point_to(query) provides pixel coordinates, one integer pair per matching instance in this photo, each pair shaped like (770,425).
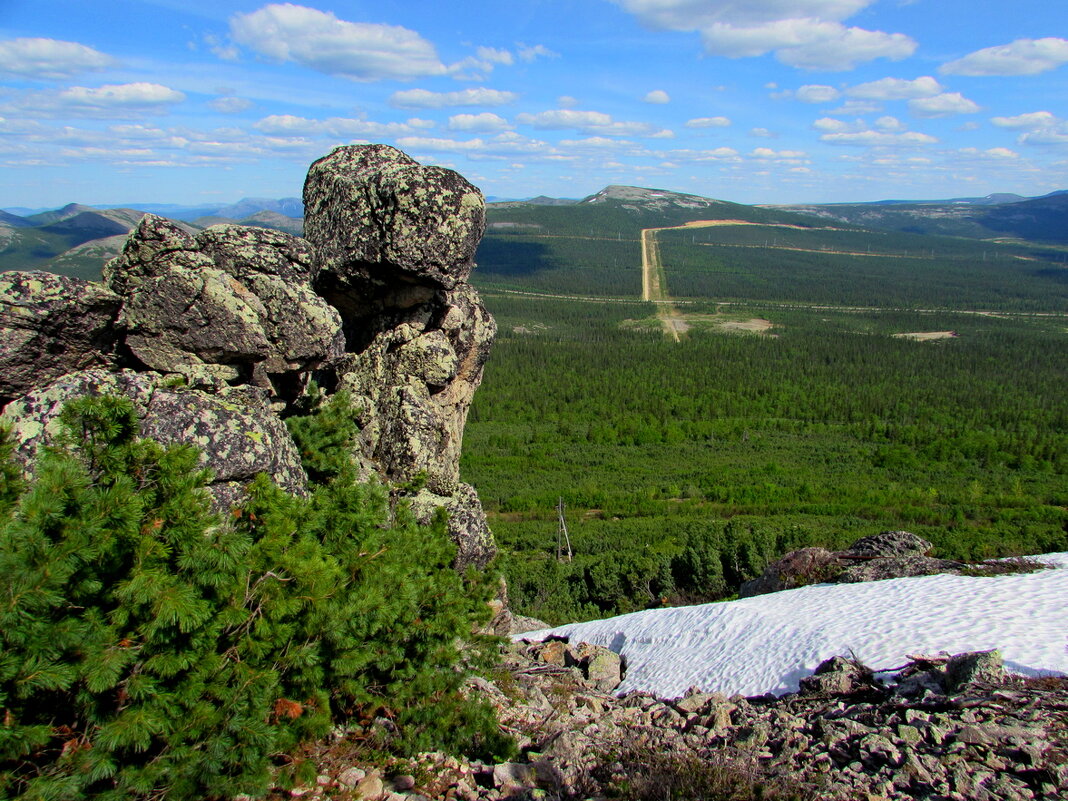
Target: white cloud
(318,40)
(856,107)
(486,122)
(762,133)
(708,122)
(728,154)
(592,122)
(657,96)
(802,33)
(50,59)
(892,124)
(495,56)
(110,100)
(1021,57)
(1035,121)
(817,93)
(879,139)
(289,125)
(767,154)
(230,105)
(943,105)
(896,89)
(530,53)
(831,125)
(807,43)
(423,98)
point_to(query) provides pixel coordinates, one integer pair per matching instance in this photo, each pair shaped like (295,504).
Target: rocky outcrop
(216,336)
(889,554)
(237,433)
(857,735)
(51,325)
(233,305)
(394,243)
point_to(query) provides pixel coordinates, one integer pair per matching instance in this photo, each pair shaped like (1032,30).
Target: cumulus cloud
(708,122)
(817,93)
(1021,57)
(424,98)
(49,59)
(879,138)
(532,52)
(1034,121)
(592,122)
(896,89)
(944,105)
(890,124)
(320,41)
(762,133)
(229,104)
(657,96)
(807,34)
(767,154)
(110,100)
(290,125)
(1037,127)
(486,122)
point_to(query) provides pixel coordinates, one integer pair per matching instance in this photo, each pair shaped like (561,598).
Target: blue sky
(755,101)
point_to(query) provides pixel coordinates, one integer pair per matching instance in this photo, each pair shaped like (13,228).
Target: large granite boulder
(379,220)
(51,325)
(236,431)
(886,555)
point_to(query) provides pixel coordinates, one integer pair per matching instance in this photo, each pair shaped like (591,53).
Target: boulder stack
(217,337)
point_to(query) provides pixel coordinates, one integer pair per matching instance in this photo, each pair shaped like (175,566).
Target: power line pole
(561,533)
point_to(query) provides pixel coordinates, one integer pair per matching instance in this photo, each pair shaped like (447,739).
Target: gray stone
(51,325)
(234,428)
(372,210)
(796,569)
(890,543)
(978,667)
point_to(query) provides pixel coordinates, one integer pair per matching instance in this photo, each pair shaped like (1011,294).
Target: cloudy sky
(755,101)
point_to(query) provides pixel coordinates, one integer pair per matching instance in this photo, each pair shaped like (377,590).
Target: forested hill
(1041,219)
(623,211)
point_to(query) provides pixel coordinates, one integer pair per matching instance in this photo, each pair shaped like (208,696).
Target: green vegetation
(686,466)
(149,649)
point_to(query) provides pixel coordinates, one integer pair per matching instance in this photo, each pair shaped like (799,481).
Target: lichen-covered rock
(976,667)
(374,214)
(796,569)
(233,304)
(467,524)
(236,431)
(836,676)
(889,544)
(896,567)
(302,329)
(51,325)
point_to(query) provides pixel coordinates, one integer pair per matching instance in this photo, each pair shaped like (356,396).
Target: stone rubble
(940,728)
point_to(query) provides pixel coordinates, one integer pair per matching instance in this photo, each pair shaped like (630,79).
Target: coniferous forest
(685,467)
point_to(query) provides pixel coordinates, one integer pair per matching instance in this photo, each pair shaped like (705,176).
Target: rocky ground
(939,728)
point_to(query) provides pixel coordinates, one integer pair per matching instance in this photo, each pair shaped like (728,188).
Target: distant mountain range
(77,239)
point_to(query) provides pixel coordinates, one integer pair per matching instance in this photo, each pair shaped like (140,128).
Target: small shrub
(150,649)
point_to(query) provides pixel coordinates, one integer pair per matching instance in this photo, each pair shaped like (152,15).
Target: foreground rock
(237,433)
(889,554)
(216,337)
(941,728)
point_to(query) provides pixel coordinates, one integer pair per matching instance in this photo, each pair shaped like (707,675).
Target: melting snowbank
(767,643)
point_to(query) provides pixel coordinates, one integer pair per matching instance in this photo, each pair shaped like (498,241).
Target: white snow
(767,643)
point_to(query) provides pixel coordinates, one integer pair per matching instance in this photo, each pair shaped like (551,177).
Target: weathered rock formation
(889,554)
(217,336)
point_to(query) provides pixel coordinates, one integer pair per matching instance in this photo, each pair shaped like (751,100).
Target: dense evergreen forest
(685,467)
